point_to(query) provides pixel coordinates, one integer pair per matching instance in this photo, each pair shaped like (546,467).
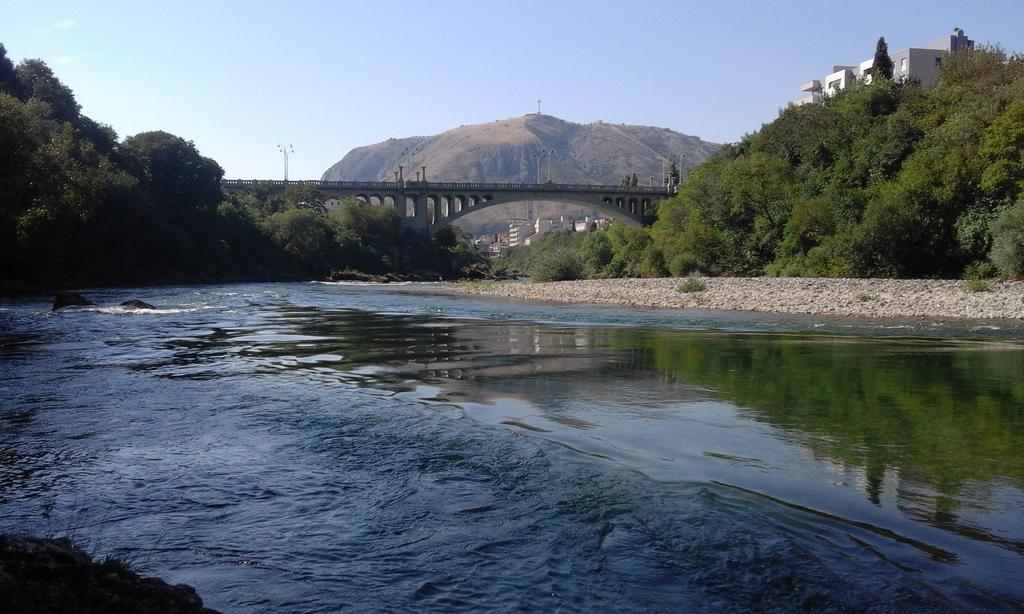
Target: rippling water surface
(310,447)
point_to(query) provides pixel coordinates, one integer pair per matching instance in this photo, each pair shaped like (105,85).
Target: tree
(1002,148)
(8,76)
(882,67)
(39,82)
(176,177)
(304,235)
(305,197)
(1008,241)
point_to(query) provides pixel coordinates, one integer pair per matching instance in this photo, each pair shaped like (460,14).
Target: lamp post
(285,150)
(540,155)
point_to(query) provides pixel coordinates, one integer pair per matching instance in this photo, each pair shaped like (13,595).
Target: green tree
(305,197)
(1008,241)
(304,236)
(175,176)
(38,82)
(595,253)
(882,67)
(9,83)
(1002,148)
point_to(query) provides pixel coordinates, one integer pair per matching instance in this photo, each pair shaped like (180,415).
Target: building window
(938,61)
(903,65)
(834,85)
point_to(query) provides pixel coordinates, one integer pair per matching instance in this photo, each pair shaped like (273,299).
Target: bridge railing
(427,186)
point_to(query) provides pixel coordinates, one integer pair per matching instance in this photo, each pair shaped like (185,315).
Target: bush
(977,285)
(557,265)
(980,270)
(692,284)
(1008,241)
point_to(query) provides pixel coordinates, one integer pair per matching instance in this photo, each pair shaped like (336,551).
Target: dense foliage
(884,179)
(80,207)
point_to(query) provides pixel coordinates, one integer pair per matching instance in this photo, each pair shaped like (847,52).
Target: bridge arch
(603,204)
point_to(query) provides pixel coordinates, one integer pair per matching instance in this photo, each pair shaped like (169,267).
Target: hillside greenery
(80,207)
(883,179)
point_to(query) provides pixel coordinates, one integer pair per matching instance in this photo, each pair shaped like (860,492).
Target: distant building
(518,230)
(918,63)
(541,228)
(587,223)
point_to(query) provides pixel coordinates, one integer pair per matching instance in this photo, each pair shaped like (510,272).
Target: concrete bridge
(433,205)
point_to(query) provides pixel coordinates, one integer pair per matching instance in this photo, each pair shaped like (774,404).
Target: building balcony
(811,86)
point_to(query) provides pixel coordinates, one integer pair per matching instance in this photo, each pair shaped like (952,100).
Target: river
(313,447)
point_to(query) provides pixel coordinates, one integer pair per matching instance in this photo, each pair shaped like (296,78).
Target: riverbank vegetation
(80,207)
(884,179)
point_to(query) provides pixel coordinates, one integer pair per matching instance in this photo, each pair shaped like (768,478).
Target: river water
(314,447)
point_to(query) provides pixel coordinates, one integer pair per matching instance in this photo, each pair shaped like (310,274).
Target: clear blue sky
(239,77)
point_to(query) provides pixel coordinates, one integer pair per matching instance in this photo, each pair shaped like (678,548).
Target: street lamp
(539,156)
(285,150)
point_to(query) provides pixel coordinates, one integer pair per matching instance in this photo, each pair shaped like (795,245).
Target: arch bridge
(433,205)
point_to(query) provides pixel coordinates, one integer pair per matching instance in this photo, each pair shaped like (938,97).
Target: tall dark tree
(882,66)
(8,77)
(40,83)
(172,171)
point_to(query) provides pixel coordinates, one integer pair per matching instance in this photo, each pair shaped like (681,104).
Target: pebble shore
(839,297)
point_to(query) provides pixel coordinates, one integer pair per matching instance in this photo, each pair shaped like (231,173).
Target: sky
(239,78)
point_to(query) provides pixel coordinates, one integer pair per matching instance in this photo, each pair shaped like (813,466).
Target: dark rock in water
(70,299)
(52,575)
(136,304)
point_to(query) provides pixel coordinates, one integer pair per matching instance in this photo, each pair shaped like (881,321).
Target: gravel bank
(842,297)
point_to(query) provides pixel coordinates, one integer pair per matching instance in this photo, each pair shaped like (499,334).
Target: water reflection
(731,464)
(932,428)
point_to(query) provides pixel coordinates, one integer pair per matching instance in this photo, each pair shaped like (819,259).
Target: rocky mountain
(508,151)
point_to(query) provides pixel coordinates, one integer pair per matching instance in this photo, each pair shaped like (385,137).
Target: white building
(918,63)
(541,228)
(518,230)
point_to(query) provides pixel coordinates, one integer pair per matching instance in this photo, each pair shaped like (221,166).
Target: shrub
(557,265)
(977,285)
(692,284)
(1008,241)
(980,270)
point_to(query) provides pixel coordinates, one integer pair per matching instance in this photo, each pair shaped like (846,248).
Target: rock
(52,575)
(70,299)
(136,304)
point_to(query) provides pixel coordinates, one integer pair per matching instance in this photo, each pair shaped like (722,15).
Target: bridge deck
(425,186)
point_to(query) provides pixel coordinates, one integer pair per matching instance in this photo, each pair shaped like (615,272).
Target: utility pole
(285,150)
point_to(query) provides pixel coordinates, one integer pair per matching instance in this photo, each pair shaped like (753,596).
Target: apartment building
(920,63)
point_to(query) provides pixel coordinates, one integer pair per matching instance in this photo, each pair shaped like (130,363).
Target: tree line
(80,207)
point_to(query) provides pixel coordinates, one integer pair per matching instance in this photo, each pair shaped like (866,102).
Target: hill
(507,150)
